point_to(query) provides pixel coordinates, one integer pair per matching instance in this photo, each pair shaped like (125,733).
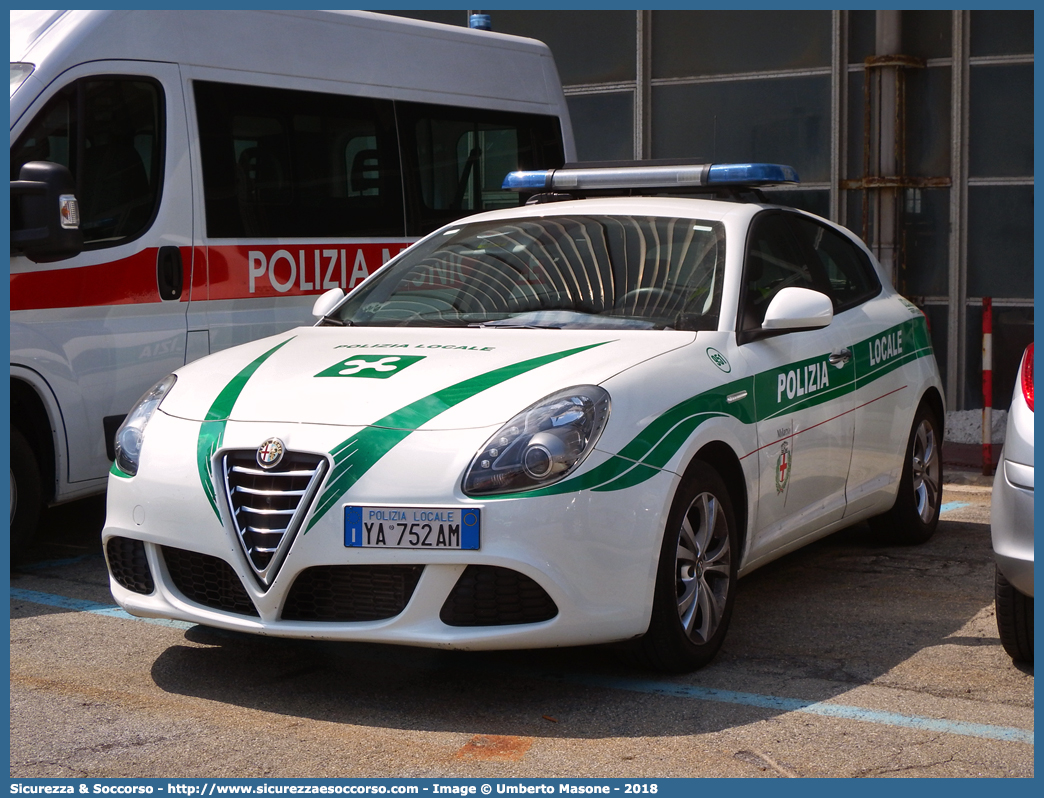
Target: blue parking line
(981,730)
(93,607)
(775,703)
(945,508)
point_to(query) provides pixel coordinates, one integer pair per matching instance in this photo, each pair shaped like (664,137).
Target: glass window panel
(973,357)
(850,278)
(1012,332)
(927,122)
(691,43)
(783,120)
(927,34)
(1000,241)
(588,46)
(457,158)
(1001,33)
(854,213)
(773,261)
(1000,136)
(939,330)
(114,148)
(603,125)
(281,163)
(925,269)
(815,201)
(928,94)
(596,272)
(862,32)
(856,124)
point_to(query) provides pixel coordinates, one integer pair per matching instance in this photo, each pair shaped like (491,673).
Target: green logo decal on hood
(212,429)
(376,367)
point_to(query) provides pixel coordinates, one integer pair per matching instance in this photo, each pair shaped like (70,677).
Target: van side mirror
(45,215)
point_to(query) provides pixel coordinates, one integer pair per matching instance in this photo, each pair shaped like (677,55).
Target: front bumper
(550,571)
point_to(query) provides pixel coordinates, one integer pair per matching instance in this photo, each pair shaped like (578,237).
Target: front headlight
(131,432)
(542,444)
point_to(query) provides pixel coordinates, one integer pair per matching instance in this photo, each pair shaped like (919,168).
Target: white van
(228,166)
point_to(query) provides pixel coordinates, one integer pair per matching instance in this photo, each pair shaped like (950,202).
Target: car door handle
(838,359)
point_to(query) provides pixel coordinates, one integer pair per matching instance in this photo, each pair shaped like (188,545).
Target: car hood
(438,379)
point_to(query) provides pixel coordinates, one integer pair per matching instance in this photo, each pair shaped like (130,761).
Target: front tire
(915,514)
(1014,620)
(26,493)
(696,576)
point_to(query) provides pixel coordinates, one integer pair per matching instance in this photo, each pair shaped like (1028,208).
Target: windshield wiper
(508,325)
(330,321)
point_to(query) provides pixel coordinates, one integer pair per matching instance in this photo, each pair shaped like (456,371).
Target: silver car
(1011,520)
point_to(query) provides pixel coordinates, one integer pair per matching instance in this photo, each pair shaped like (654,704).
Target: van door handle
(169,273)
(839,359)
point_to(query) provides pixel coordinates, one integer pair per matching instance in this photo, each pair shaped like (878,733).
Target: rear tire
(1014,620)
(915,514)
(26,493)
(696,576)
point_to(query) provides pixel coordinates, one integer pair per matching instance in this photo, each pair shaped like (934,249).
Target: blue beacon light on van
(575,177)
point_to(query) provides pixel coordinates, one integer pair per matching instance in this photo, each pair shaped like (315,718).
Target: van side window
(458,158)
(109,133)
(291,164)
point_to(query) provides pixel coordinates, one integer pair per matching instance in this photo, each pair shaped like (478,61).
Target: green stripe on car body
(212,428)
(814,382)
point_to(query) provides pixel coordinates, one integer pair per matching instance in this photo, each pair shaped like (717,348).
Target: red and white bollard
(987,386)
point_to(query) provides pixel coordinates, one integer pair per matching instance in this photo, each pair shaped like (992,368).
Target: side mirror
(327,302)
(45,215)
(796,308)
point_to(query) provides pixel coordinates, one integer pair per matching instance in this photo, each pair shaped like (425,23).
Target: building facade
(912,128)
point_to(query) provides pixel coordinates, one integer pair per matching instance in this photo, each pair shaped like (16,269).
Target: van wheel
(915,514)
(26,493)
(696,576)
(1014,620)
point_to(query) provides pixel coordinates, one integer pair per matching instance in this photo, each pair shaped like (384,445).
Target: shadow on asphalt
(813,625)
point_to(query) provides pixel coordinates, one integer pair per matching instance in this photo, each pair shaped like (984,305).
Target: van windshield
(578,271)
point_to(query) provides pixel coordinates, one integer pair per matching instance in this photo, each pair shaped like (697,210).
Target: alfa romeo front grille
(269,504)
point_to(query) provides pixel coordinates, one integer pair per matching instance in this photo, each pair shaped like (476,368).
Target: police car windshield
(600,272)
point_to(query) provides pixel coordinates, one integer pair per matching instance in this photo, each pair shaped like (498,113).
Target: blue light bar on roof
(751,174)
(659,176)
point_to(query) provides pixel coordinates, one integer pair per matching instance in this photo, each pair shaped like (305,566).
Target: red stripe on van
(127,281)
(221,272)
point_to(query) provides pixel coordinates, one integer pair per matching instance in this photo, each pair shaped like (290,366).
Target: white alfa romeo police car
(579,421)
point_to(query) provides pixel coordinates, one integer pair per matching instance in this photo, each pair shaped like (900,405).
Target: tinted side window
(289,164)
(109,133)
(774,261)
(457,158)
(850,277)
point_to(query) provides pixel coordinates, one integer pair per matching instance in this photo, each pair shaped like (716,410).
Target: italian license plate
(411,527)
